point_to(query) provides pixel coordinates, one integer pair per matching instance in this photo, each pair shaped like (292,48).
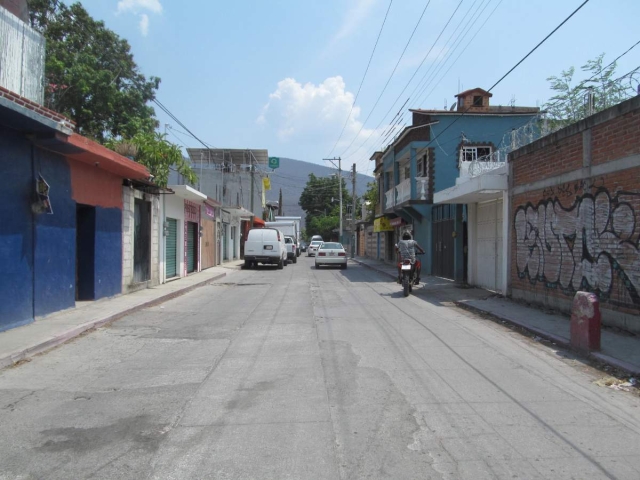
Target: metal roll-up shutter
(191,246)
(171,253)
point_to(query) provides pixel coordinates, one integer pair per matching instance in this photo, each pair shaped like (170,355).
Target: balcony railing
(481,165)
(404,190)
(390,199)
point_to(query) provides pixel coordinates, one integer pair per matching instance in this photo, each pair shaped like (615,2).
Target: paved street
(311,374)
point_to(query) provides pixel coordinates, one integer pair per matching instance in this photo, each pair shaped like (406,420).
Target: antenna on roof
(445,103)
(513,100)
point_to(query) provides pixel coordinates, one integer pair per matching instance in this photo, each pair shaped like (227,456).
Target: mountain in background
(292,177)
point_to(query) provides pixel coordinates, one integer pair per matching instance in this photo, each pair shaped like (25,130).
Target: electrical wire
(390,77)
(168,112)
(457,41)
(463,113)
(362,81)
(581,84)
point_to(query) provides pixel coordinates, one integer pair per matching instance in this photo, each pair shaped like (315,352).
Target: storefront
(209,235)
(181,230)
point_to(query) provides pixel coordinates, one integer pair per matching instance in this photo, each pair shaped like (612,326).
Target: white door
(489,245)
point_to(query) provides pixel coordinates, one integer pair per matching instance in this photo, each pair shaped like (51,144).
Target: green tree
(319,200)
(570,105)
(371,198)
(157,154)
(91,76)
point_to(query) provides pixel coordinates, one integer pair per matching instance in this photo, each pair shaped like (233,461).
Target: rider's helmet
(406,236)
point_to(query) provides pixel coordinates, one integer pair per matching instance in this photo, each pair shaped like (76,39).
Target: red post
(585,322)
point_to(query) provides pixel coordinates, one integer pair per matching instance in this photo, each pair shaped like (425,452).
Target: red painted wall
(92,186)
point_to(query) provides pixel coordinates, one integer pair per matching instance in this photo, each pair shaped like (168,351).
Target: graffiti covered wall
(589,242)
(578,228)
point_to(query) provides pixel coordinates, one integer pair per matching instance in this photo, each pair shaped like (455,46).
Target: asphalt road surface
(311,374)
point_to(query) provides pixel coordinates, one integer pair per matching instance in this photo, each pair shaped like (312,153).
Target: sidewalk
(45,333)
(617,349)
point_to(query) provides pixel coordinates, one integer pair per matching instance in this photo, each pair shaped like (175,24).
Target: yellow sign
(266,183)
(382,225)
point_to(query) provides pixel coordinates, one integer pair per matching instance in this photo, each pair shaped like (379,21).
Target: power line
(166,110)
(581,84)
(362,81)
(458,41)
(505,75)
(449,53)
(390,77)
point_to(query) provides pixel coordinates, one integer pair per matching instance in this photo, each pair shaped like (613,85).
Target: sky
(283,75)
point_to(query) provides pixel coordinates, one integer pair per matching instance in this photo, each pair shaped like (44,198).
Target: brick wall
(575,212)
(36,107)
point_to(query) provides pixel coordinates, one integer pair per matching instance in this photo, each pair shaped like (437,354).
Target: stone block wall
(575,213)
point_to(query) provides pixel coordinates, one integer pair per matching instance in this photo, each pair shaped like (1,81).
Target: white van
(265,246)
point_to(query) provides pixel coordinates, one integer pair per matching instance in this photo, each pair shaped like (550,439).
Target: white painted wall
(488,259)
(174,208)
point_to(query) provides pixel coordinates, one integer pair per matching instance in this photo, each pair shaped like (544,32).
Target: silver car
(331,253)
(313,248)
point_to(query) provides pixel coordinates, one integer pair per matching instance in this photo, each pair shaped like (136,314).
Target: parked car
(265,246)
(303,246)
(290,244)
(317,238)
(331,253)
(313,247)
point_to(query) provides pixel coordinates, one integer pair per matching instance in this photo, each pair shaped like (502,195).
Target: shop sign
(397,222)
(209,211)
(382,225)
(191,211)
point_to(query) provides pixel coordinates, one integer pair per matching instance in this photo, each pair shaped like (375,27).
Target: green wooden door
(171,253)
(191,246)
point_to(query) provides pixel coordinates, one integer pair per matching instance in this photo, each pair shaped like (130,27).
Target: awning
(239,211)
(188,193)
(477,189)
(258,222)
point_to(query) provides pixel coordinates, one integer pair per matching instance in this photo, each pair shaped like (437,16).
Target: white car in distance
(313,248)
(331,253)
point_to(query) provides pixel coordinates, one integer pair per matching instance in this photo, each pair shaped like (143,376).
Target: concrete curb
(563,342)
(63,337)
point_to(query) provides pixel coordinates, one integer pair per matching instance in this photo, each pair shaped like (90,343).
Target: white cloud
(144,24)
(138,5)
(313,115)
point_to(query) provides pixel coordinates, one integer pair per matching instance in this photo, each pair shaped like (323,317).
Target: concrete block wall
(575,213)
(129,196)
(128,201)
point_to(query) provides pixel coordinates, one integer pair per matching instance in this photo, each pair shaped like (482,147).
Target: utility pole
(353,212)
(339,167)
(252,181)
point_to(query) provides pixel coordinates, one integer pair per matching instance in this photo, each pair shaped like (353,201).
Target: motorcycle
(408,272)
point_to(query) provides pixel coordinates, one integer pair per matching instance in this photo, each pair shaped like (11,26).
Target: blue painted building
(426,158)
(60,213)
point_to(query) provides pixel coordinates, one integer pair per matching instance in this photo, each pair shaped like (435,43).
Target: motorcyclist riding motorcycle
(407,249)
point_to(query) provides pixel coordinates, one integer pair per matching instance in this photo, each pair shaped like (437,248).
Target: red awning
(258,222)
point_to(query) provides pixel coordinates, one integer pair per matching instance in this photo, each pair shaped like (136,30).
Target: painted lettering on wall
(592,245)
(571,189)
